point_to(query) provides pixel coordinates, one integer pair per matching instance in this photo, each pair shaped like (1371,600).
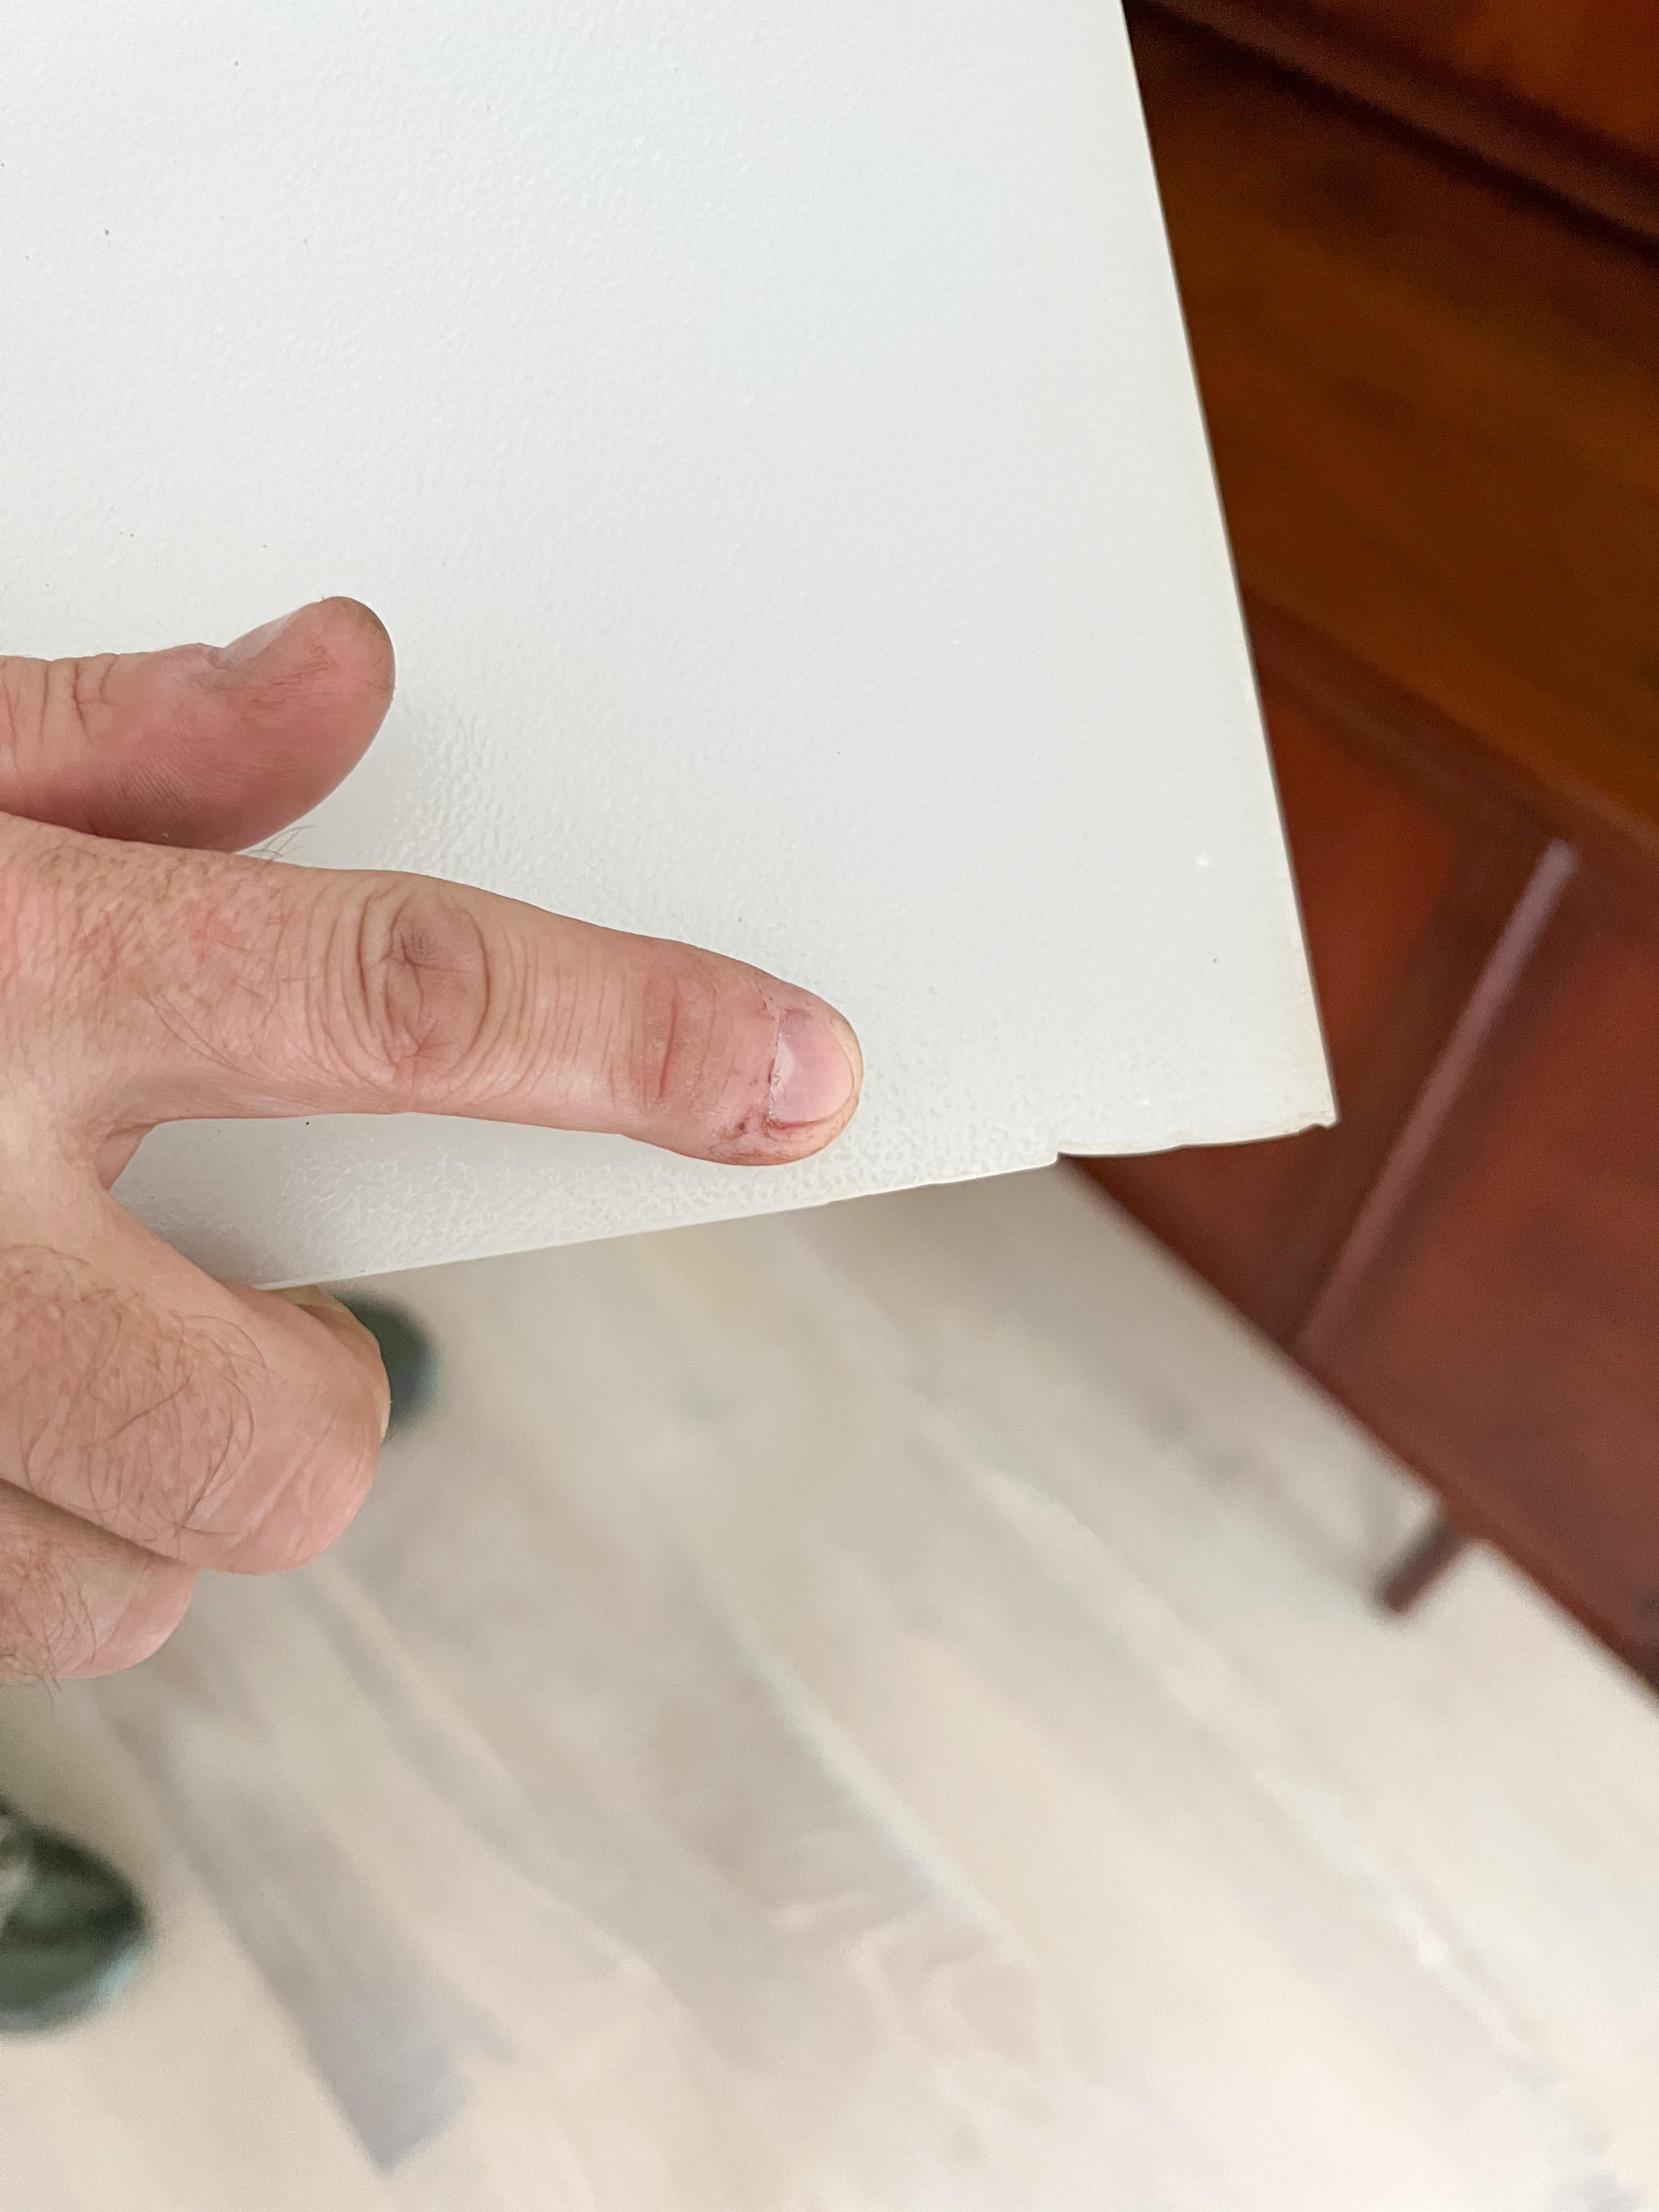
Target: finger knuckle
(264,1503)
(46,1623)
(75,1603)
(142,1423)
(419,994)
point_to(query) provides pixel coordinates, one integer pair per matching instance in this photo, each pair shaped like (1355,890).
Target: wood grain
(1409,865)
(850,1712)
(1591,64)
(1535,126)
(1504,1331)
(1435,410)
(1373,866)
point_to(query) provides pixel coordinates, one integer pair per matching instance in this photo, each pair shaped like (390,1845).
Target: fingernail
(308,1294)
(327,1306)
(241,650)
(324,1301)
(813,1074)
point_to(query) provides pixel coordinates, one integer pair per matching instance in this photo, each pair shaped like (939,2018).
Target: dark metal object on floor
(411,1357)
(71,1928)
(1442,1545)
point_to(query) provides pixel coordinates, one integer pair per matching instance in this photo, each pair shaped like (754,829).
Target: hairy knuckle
(142,1423)
(106,951)
(116,1410)
(75,1603)
(218,1491)
(46,1623)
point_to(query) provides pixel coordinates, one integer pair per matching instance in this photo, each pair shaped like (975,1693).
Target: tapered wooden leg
(1440,1546)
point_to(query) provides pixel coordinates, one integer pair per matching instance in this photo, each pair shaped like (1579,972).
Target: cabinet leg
(1440,1546)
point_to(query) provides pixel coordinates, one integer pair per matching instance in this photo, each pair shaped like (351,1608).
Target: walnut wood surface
(1434,411)
(1434,402)
(1592,64)
(1407,877)
(1546,94)
(1505,1334)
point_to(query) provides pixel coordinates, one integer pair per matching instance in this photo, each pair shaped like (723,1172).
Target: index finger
(208,986)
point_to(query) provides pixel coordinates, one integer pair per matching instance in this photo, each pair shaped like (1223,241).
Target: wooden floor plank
(854,1712)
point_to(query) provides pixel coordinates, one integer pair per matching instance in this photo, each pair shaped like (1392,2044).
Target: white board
(769,434)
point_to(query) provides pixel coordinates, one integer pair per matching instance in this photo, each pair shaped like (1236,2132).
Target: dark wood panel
(1435,410)
(1504,1335)
(1556,136)
(1407,877)
(1594,64)
(1434,401)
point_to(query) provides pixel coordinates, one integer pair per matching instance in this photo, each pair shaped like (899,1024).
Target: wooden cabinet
(1586,64)
(1563,93)
(1407,880)
(1503,1331)
(1434,399)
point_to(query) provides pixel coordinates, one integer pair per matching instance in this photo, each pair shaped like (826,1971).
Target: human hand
(154,1422)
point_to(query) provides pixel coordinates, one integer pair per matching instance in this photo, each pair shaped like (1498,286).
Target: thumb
(198,745)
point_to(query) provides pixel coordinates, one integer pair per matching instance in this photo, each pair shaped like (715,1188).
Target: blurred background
(1130,1688)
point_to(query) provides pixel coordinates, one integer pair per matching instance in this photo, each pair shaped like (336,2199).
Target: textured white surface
(769,437)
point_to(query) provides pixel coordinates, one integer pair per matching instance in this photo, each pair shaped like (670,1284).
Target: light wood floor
(871,1711)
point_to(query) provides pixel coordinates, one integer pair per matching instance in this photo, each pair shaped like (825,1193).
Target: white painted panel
(769,436)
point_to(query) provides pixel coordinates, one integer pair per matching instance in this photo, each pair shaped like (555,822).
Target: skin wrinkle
(586,1017)
(143,1411)
(57,1630)
(319,1497)
(321,1466)
(209,922)
(675,1045)
(182,1372)
(75,1627)
(229,1432)
(88,685)
(138,1608)
(34,1647)
(420,989)
(24,732)
(71,949)
(210,1034)
(31,1643)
